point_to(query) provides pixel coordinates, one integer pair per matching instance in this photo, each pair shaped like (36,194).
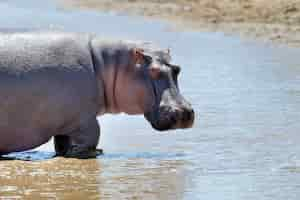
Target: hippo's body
(55,84)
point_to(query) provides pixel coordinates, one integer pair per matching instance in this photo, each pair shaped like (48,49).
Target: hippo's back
(47,85)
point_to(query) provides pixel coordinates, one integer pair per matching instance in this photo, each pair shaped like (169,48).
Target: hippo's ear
(168,51)
(138,56)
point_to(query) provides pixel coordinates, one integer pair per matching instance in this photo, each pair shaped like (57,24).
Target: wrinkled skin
(56,84)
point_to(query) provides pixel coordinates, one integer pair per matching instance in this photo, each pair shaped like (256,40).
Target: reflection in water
(50,179)
(59,178)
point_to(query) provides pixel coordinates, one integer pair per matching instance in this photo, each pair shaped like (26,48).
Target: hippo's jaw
(167,118)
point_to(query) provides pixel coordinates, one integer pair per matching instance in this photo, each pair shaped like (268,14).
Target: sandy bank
(276,20)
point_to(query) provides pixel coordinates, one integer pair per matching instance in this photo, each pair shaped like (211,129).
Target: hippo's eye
(148,59)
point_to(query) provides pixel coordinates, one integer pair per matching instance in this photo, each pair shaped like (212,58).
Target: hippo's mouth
(163,119)
(161,124)
(166,118)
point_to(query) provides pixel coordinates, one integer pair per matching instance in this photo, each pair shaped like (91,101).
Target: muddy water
(245,143)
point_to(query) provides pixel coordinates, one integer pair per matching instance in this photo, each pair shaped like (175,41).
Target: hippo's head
(166,107)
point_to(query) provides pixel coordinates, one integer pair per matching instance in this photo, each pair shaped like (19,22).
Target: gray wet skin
(56,84)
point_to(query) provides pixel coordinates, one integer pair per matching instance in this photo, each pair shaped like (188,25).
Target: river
(244,144)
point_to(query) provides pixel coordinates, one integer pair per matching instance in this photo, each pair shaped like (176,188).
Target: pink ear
(138,55)
(154,72)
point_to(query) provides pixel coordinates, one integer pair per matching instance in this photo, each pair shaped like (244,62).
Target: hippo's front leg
(81,143)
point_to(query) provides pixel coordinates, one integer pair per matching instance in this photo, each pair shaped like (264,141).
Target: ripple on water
(30,155)
(292,166)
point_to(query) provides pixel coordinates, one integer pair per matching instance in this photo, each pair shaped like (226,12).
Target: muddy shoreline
(277,21)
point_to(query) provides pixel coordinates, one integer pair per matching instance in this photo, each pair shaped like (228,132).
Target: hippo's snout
(173,118)
(187,118)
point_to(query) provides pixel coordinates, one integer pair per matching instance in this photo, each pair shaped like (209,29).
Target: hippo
(55,84)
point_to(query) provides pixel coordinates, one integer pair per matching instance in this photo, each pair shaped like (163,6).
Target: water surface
(244,145)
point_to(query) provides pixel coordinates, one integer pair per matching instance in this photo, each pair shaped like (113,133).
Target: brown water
(244,145)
